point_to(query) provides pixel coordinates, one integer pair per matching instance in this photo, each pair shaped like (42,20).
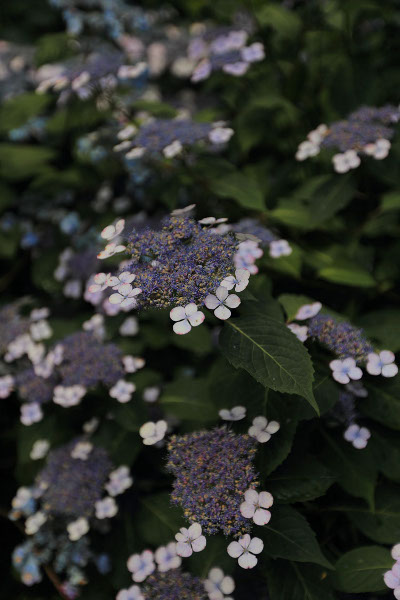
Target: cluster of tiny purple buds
(365,131)
(169,137)
(174,584)
(212,471)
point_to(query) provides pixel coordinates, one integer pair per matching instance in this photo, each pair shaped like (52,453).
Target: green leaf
(383,326)
(267,350)
(355,472)
(300,479)
(198,341)
(289,536)
(157,520)
(246,191)
(382,524)
(361,570)
(383,402)
(348,276)
(293,581)
(390,201)
(277,408)
(286,22)
(187,399)
(18,161)
(17,111)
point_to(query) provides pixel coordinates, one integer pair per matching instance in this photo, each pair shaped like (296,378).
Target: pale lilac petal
(194,531)
(261,516)
(265,499)
(256,545)
(335,365)
(199,544)
(262,436)
(228,282)
(373,368)
(360,443)
(178,313)
(211,301)
(221,293)
(115,299)
(184,549)
(260,422)
(351,433)
(196,319)
(182,327)
(245,541)
(247,510)
(390,580)
(235,549)
(390,370)
(190,309)
(272,427)
(247,561)
(232,301)
(227,585)
(355,373)
(340,377)
(349,362)
(251,496)
(222,312)
(127,302)
(386,356)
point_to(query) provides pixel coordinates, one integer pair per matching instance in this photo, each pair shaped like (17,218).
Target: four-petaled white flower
(245,549)
(106,508)
(132,593)
(306,149)
(253,53)
(167,557)
(67,396)
(39,449)
(111,231)
(222,302)
(218,584)
(255,506)
(262,430)
(102,281)
(378,150)
(173,149)
(234,414)
(382,364)
(120,480)
(125,296)
(153,432)
(212,221)
(22,498)
(141,565)
(346,161)
(307,311)
(122,391)
(300,331)
(40,330)
(110,250)
(133,363)
(239,281)
(344,370)
(31,413)
(124,277)
(76,529)
(6,385)
(185,318)
(357,435)
(34,522)
(81,450)
(220,135)
(392,579)
(279,248)
(190,540)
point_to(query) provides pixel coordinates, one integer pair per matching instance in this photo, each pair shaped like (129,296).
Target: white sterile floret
(153,432)
(35,352)
(306,149)
(81,450)
(395,552)
(96,325)
(141,565)
(185,318)
(307,311)
(151,393)
(317,135)
(73,289)
(40,330)
(18,347)
(221,302)
(22,497)
(357,435)
(31,413)
(300,331)
(34,522)
(190,540)
(346,161)
(39,449)
(379,149)
(106,508)
(122,391)
(220,135)
(130,326)
(234,414)
(37,314)
(120,480)
(344,370)
(125,296)
(392,579)
(212,220)
(132,593)
(382,364)
(135,153)
(76,529)
(218,584)
(253,53)
(239,281)
(262,429)
(183,211)
(167,557)
(111,231)
(67,396)
(173,149)
(127,132)
(6,385)
(110,250)
(278,248)
(255,506)
(245,549)
(133,363)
